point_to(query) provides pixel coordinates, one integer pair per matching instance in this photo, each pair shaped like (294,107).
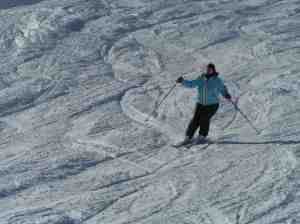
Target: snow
(78,81)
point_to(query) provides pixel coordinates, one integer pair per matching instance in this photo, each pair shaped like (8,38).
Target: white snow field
(78,79)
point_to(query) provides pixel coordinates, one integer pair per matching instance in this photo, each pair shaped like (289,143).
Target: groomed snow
(78,79)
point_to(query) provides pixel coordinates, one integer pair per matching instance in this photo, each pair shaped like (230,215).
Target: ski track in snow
(79,78)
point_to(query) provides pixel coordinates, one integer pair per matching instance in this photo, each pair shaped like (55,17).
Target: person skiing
(209,86)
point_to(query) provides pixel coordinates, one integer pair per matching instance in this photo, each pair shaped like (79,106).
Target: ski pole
(165,97)
(160,103)
(245,117)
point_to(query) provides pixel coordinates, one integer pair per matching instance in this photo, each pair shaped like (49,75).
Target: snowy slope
(78,78)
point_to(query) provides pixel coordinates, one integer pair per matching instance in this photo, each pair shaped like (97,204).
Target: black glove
(227,96)
(180,79)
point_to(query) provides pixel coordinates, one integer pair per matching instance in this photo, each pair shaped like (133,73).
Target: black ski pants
(201,119)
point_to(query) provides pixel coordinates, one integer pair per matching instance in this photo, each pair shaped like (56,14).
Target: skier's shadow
(278,142)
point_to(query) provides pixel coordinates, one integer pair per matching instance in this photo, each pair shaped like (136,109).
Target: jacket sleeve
(192,83)
(223,89)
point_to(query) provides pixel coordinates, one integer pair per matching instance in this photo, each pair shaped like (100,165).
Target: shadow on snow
(278,142)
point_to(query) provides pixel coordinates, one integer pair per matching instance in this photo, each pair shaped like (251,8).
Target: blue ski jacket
(209,88)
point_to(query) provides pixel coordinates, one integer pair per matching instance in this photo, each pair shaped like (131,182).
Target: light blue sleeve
(222,88)
(192,83)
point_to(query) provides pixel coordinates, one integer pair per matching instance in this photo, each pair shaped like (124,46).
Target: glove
(180,80)
(228,96)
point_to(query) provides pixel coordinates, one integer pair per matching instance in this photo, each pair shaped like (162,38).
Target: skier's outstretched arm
(224,90)
(188,83)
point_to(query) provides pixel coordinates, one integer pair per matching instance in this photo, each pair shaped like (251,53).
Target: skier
(209,86)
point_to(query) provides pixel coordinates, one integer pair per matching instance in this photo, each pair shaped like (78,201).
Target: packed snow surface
(78,79)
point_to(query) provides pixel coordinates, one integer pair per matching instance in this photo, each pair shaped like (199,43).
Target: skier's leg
(204,127)
(207,114)
(194,123)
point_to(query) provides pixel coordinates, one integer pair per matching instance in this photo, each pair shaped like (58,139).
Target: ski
(180,145)
(191,144)
(204,143)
